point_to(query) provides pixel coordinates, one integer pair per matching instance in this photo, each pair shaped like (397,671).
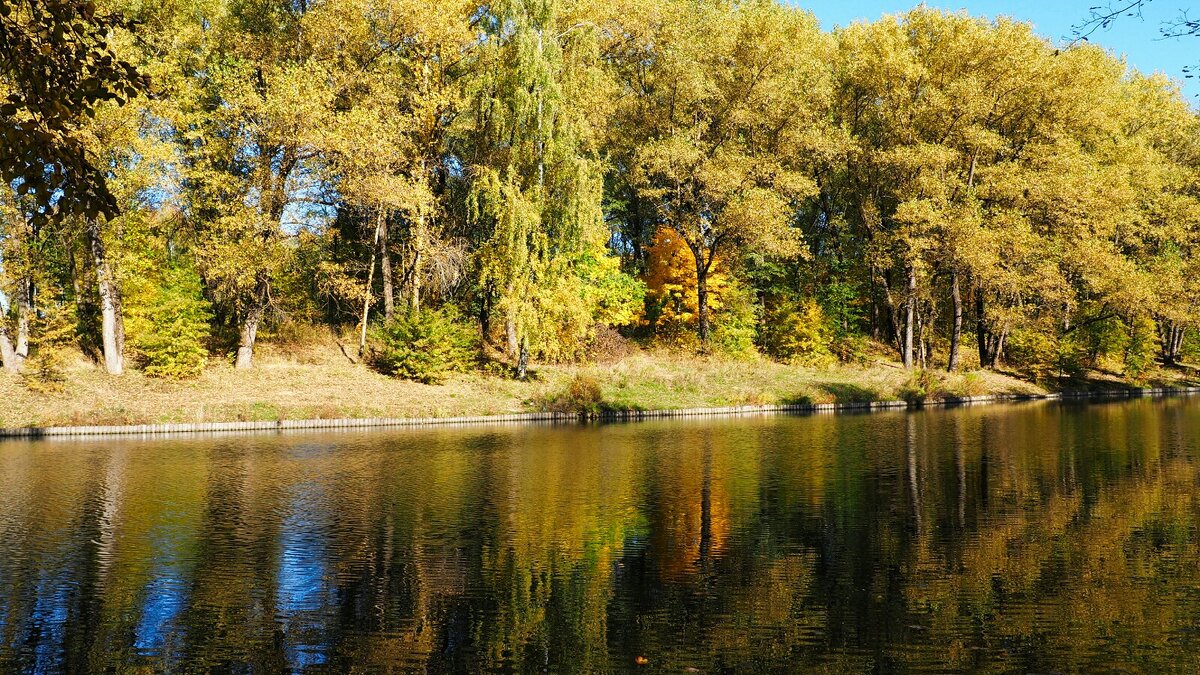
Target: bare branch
(1102,17)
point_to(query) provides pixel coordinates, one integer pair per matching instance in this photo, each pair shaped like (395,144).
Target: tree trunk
(485,315)
(385,270)
(8,355)
(956,331)
(910,308)
(998,351)
(414,296)
(112,324)
(1171,336)
(1166,335)
(366,311)
(24,312)
(921,359)
(875,329)
(702,327)
(523,359)
(254,315)
(981,331)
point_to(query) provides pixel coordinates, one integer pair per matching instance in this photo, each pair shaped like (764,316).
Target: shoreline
(175,429)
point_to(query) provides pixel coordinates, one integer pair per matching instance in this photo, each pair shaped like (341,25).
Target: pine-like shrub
(171,337)
(53,331)
(424,346)
(797,332)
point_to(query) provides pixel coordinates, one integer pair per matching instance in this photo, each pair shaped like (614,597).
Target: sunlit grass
(317,381)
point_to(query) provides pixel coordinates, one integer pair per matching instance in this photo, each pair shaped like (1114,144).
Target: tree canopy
(719,176)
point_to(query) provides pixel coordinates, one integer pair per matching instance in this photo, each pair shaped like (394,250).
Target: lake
(1030,537)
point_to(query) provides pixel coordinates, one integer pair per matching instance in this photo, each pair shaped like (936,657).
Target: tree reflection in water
(1035,537)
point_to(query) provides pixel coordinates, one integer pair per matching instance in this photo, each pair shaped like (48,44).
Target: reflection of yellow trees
(691,517)
(1014,539)
(564,506)
(1064,569)
(704,482)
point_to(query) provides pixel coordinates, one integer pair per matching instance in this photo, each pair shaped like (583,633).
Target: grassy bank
(317,382)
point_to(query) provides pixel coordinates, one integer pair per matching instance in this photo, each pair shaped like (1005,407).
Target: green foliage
(613,297)
(425,346)
(1191,346)
(1094,342)
(170,334)
(1141,349)
(1043,353)
(54,332)
(736,324)
(797,332)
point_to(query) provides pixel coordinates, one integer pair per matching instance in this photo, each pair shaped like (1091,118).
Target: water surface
(1028,537)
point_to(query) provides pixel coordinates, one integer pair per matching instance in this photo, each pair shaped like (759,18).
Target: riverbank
(615,415)
(316,385)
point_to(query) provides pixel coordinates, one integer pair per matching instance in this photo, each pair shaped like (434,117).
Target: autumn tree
(250,103)
(725,109)
(404,69)
(536,180)
(56,65)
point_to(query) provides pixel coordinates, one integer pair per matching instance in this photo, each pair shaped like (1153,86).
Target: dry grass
(302,381)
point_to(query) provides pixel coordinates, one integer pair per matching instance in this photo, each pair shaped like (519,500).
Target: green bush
(424,346)
(1141,349)
(171,334)
(53,331)
(1040,353)
(735,325)
(1191,346)
(797,332)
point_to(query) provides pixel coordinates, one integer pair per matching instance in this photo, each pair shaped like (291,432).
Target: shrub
(53,332)
(923,385)
(797,332)
(1040,353)
(424,346)
(1141,349)
(582,395)
(45,371)
(735,326)
(171,336)
(607,345)
(851,348)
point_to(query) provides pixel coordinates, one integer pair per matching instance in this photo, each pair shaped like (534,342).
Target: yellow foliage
(670,279)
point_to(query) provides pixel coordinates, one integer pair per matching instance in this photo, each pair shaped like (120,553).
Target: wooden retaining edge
(553,417)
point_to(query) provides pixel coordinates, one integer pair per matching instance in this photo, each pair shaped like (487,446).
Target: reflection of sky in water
(48,623)
(6,609)
(302,582)
(166,593)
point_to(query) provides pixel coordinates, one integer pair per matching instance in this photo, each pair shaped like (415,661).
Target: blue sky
(1136,38)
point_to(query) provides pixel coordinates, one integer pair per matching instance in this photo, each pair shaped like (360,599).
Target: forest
(456,185)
